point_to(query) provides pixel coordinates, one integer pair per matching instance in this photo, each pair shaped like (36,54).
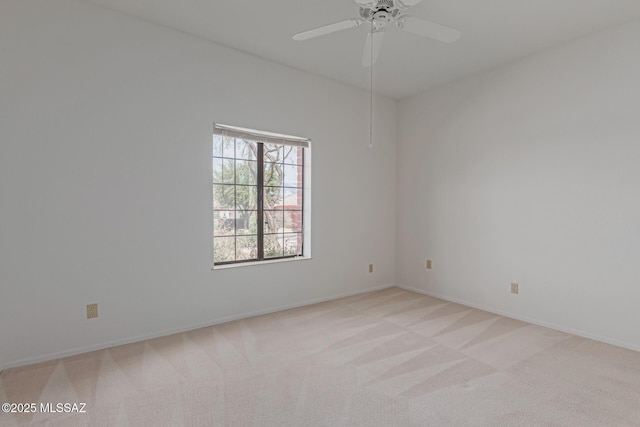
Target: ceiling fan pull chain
(371,96)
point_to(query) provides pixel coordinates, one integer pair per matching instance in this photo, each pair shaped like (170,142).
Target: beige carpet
(388,358)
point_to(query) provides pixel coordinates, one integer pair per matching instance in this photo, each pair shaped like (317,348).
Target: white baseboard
(102,346)
(560,328)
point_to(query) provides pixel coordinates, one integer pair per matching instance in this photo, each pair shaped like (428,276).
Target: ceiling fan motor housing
(385,4)
(381,12)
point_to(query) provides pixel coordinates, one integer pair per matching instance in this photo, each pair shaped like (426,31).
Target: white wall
(530,174)
(105,180)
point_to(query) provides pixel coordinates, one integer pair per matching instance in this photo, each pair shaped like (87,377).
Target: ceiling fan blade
(374,38)
(406,4)
(424,28)
(327,29)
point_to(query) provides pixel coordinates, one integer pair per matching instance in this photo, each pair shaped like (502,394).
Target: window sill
(249,264)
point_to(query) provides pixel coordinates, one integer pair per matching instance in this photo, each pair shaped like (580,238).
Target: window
(258,195)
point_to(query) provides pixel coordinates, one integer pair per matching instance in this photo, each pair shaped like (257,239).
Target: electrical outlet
(429,264)
(92,311)
(515,288)
(370,268)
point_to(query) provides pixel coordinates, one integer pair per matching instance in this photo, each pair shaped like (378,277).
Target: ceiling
(493,32)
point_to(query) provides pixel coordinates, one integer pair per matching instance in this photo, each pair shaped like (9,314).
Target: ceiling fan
(379,13)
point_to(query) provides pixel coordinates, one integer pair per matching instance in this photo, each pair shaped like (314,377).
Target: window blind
(260,136)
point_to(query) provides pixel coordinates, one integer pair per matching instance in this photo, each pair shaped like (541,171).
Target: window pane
(224,249)
(246,198)
(247,222)
(217,145)
(246,172)
(273,197)
(293,198)
(292,176)
(227,171)
(273,174)
(292,221)
(246,247)
(223,223)
(222,171)
(217,171)
(293,244)
(293,155)
(273,221)
(223,197)
(247,150)
(273,153)
(228,147)
(273,245)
